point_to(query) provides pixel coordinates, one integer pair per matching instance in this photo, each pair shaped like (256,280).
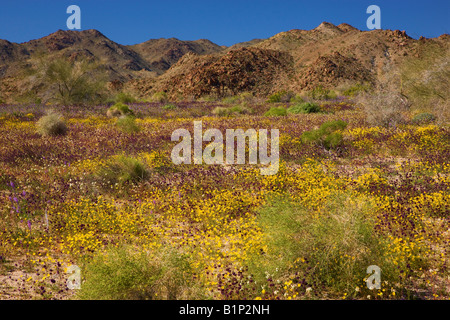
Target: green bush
(128,124)
(126,274)
(51,124)
(121,170)
(331,249)
(241,109)
(297,99)
(355,90)
(321,93)
(306,107)
(276,112)
(280,96)
(424,118)
(160,96)
(169,107)
(118,110)
(327,135)
(221,111)
(123,97)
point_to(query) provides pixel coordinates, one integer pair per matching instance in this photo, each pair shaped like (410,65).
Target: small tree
(74,81)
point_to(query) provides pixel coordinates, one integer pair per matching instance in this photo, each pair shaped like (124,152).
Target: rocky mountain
(296,60)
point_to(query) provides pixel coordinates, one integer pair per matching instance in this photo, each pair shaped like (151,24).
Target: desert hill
(296,60)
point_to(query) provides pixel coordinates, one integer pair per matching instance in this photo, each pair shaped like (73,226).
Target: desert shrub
(127,124)
(51,124)
(307,107)
(246,97)
(122,169)
(118,110)
(160,96)
(169,107)
(123,97)
(126,274)
(327,135)
(276,112)
(423,118)
(230,100)
(355,90)
(321,93)
(297,99)
(332,248)
(74,82)
(241,109)
(384,108)
(280,96)
(221,111)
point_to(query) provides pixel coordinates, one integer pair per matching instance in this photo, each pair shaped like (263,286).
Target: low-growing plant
(123,97)
(328,135)
(355,90)
(126,274)
(52,124)
(221,111)
(119,110)
(321,93)
(121,170)
(331,248)
(241,109)
(424,118)
(276,112)
(127,124)
(280,96)
(160,96)
(169,107)
(307,107)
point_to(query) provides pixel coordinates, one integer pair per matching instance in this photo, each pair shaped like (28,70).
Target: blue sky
(224,22)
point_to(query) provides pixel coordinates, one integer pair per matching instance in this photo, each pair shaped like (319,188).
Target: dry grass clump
(52,124)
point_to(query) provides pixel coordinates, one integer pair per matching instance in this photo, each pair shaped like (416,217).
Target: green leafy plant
(328,135)
(276,112)
(123,97)
(121,170)
(124,273)
(307,107)
(128,124)
(118,110)
(169,107)
(280,96)
(321,93)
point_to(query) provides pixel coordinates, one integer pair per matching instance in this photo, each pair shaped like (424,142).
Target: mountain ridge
(297,60)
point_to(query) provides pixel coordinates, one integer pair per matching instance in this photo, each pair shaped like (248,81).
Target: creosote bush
(328,135)
(51,124)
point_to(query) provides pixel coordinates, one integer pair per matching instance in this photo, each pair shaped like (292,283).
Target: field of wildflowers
(379,197)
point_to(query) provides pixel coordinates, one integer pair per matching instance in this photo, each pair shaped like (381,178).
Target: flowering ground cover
(378,197)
